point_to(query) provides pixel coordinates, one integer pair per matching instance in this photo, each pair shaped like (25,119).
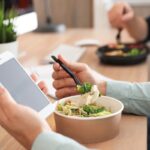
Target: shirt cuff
(119,90)
(134,96)
(54,141)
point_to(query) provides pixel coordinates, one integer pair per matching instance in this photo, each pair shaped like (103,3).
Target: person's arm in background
(25,125)
(135,96)
(121,15)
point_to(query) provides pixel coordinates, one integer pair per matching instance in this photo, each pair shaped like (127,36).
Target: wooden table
(133,130)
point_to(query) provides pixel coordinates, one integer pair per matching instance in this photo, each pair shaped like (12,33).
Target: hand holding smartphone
(22,87)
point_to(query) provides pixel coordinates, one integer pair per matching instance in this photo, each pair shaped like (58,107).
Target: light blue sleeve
(54,141)
(135,96)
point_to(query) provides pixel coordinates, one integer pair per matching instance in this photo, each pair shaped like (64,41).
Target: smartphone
(22,87)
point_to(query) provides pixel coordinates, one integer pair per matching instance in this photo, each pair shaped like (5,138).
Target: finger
(127,17)
(7,106)
(42,85)
(5,97)
(60,75)
(66,92)
(116,23)
(127,7)
(77,67)
(45,91)
(2,116)
(115,10)
(56,67)
(128,12)
(66,82)
(34,77)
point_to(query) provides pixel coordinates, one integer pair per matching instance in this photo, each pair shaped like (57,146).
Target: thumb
(128,13)
(5,97)
(76,67)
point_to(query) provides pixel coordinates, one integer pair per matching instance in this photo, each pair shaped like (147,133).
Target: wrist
(30,138)
(35,133)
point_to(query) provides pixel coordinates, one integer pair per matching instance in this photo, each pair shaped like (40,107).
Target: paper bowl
(90,129)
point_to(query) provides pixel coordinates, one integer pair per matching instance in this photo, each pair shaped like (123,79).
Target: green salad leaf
(84,88)
(134,52)
(92,109)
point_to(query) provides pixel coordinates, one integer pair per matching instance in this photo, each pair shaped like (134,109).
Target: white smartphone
(22,87)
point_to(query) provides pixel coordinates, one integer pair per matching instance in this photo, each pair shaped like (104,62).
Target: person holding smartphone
(121,15)
(27,127)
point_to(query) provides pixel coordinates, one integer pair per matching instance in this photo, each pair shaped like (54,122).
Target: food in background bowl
(123,54)
(90,129)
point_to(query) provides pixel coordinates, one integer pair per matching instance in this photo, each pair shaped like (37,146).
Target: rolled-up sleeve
(54,141)
(135,96)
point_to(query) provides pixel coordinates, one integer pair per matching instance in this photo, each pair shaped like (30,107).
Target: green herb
(134,52)
(84,88)
(7,28)
(59,107)
(92,109)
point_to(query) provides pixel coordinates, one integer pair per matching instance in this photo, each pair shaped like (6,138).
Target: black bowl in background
(123,60)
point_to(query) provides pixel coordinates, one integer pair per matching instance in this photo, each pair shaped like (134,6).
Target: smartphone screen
(21,86)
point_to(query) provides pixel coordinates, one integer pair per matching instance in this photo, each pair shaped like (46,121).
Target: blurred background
(72,13)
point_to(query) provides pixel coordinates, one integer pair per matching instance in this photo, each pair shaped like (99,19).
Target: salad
(89,109)
(89,92)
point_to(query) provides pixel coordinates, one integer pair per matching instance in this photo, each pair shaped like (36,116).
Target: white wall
(100,19)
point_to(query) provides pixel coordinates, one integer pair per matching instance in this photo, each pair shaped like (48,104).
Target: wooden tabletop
(133,129)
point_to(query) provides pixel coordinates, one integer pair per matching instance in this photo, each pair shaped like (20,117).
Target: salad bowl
(90,129)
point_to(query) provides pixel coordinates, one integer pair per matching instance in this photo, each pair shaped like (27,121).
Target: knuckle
(55,66)
(66,81)
(58,95)
(54,75)
(55,84)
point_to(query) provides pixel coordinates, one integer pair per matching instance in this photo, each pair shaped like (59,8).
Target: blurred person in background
(121,15)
